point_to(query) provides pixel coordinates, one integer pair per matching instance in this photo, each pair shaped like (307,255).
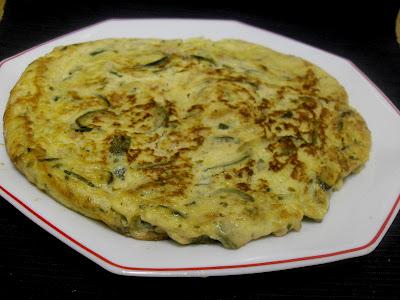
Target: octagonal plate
(359,215)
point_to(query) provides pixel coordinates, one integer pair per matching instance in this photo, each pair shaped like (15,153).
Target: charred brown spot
(227,103)
(74,95)
(247,170)
(243,186)
(199,140)
(133,154)
(244,111)
(309,80)
(280,93)
(275,165)
(260,120)
(265,104)
(147,105)
(298,172)
(170,106)
(195,107)
(228,176)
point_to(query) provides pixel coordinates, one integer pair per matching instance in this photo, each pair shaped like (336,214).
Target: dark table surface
(34,264)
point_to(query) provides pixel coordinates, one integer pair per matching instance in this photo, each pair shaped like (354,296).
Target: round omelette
(193,140)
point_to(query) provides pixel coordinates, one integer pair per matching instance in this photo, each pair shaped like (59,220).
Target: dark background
(34,264)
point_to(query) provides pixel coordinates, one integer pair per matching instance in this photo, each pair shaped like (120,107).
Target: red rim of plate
(374,240)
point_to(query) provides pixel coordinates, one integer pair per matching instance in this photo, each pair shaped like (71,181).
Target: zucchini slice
(229,163)
(85,121)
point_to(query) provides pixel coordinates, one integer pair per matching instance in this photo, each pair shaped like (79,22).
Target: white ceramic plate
(359,215)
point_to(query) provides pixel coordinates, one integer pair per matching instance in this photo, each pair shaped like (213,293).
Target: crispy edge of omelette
(24,153)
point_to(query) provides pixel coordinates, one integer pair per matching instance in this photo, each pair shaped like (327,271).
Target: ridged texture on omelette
(194,140)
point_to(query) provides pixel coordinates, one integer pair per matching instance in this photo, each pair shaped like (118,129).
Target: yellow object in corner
(2,3)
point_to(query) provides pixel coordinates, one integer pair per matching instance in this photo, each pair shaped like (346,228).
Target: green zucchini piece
(341,118)
(96,52)
(104,98)
(116,74)
(241,194)
(83,121)
(143,224)
(174,212)
(79,177)
(324,186)
(314,137)
(83,129)
(202,239)
(223,126)
(48,159)
(158,63)
(120,144)
(224,231)
(110,177)
(229,163)
(205,59)
(287,114)
(160,118)
(225,139)
(226,242)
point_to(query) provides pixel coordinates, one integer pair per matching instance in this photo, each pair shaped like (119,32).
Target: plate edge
(362,250)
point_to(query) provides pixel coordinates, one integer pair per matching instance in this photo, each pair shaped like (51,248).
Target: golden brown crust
(186,139)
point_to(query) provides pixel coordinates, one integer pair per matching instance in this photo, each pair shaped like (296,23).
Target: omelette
(193,140)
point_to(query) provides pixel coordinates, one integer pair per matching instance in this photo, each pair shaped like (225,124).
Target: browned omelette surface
(194,140)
